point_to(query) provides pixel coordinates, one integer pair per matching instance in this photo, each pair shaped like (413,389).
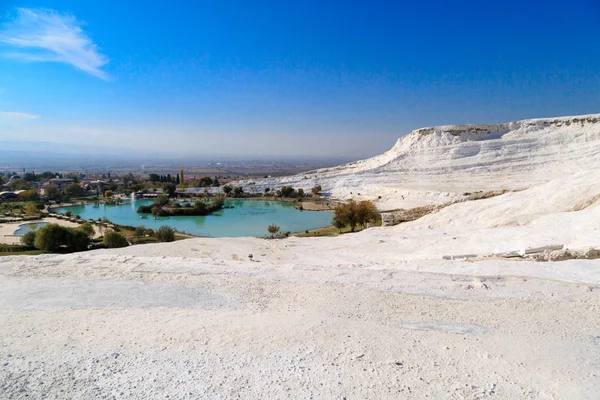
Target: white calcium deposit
(438,164)
(434,308)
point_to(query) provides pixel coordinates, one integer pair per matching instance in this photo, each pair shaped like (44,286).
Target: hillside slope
(437,164)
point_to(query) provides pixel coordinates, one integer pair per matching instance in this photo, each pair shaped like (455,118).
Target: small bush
(113,240)
(53,237)
(273,229)
(139,231)
(165,234)
(50,237)
(28,238)
(87,228)
(31,209)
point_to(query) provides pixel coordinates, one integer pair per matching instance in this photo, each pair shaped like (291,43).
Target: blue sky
(315,78)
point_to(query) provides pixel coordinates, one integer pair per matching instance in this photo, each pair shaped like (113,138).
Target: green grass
(23,253)
(14,208)
(331,231)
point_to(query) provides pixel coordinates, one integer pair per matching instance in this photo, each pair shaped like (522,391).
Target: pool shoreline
(243,217)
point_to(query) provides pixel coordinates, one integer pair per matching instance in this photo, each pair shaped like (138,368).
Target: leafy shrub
(87,228)
(165,234)
(139,231)
(53,237)
(50,238)
(29,195)
(159,211)
(273,229)
(74,190)
(113,240)
(287,191)
(28,238)
(218,203)
(161,200)
(9,248)
(77,240)
(145,209)
(31,209)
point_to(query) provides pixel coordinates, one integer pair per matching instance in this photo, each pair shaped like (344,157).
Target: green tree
(20,184)
(165,234)
(161,200)
(267,190)
(346,213)
(31,209)
(181,176)
(28,239)
(29,177)
(44,176)
(29,195)
(158,211)
(352,213)
(366,212)
(287,191)
(338,223)
(51,191)
(227,189)
(238,191)
(74,190)
(169,188)
(218,203)
(114,240)
(200,207)
(154,178)
(301,192)
(206,181)
(108,193)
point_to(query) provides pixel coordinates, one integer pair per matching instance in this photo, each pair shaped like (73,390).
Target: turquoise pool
(247,218)
(23,229)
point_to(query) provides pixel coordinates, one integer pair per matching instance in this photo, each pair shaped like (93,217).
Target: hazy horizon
(283,80)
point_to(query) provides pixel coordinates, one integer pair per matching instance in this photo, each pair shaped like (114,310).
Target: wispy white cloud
(47,35)
(17,115)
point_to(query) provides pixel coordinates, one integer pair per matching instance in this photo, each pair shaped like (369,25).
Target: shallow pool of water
(23,229)
(246,218)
